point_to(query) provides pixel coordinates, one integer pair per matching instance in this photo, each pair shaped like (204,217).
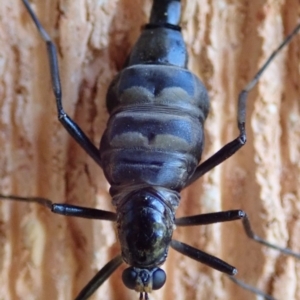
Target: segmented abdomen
(155,131)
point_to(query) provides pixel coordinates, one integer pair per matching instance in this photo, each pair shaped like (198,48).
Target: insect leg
(253,236)
(215,263)
(99,278)
(233,146)
(203,258)
(232,215)
(210,218)
(73,129)
(66,209)
(250,288)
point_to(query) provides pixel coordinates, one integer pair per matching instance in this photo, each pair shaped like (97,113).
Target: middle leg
(233,146)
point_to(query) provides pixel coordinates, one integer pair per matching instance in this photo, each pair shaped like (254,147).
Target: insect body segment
(157,107)
(150,151)
(153,140)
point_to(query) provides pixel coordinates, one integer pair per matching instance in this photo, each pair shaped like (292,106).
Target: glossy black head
(145,228)
(144,280)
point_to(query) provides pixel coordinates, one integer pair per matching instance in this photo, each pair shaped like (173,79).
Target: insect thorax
(145,224)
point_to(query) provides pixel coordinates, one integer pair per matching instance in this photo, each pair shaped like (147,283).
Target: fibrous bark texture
(46,256)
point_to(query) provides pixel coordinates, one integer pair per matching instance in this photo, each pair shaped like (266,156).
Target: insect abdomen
(157,109)
(155,132)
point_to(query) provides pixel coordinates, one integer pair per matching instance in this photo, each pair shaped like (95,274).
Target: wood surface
(46,256)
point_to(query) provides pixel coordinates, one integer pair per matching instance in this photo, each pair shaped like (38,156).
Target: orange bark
(45,256)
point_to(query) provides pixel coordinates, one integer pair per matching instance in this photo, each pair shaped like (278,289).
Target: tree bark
(46,256)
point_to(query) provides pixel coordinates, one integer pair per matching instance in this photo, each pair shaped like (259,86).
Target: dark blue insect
(151,150)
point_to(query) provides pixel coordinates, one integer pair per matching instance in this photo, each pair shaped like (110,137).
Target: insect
(90,213)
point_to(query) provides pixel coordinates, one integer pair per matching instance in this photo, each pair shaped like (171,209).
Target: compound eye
(129,278)
(158,279)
